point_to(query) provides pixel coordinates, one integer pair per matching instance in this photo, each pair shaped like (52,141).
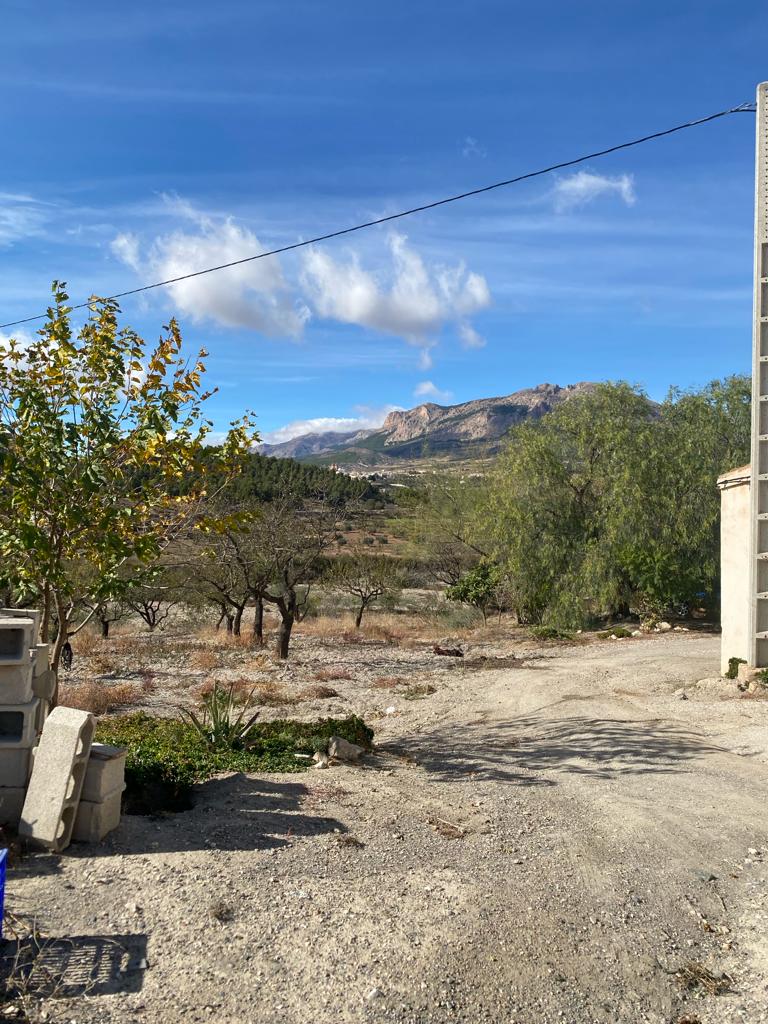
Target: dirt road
(556,842)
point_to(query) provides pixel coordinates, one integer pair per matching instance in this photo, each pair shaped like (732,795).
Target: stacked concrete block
(21,709)
(99,809)
(53,793)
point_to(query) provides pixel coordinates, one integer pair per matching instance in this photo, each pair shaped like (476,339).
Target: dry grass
(325,675)
(100,699)
(416,691)
(447,829)
(388,682)
(241,689)
(203,660)
(273,695)
(319,692)
(87,643)
(103,664)
(695,977)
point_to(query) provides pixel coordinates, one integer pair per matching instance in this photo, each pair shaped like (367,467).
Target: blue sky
(144,140)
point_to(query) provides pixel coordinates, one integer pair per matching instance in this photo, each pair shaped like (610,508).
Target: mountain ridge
(429,428)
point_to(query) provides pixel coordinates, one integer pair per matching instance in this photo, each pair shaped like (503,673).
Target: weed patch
(99,698)
(326,675)
(166,756)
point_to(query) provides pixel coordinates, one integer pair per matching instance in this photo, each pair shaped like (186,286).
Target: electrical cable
(744,108)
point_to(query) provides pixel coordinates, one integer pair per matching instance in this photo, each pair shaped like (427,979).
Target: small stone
(374,993)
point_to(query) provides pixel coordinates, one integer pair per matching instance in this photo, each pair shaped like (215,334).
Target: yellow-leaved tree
(101,442)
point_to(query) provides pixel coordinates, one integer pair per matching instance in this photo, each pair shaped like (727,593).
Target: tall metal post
(759,474)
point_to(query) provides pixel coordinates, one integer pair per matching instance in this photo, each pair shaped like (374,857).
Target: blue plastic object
(3,859)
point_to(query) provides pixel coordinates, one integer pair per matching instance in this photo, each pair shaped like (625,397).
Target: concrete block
(16,639)
(11,803)
(94,820)
(105,772)
(44,684)
(16,683)
(18,724)
(23,613)
(41,656)
(54,789)
(14,766)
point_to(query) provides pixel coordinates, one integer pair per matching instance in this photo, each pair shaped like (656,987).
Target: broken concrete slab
(343,750)
(105,772)
(53,794)
(14,766)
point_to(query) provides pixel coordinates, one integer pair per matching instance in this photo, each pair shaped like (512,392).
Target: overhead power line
(744,108)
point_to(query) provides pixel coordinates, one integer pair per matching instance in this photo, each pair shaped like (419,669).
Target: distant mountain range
(451,431)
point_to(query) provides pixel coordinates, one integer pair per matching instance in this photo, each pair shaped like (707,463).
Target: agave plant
(217,723)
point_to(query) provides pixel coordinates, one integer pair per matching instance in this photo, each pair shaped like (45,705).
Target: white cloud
(469,337)
(584,187)
(429,390)
(367,419)
(253,295)
(472,147)
(20,217)
(410,299)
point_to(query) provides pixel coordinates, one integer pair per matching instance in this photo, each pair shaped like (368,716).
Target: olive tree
(367,578)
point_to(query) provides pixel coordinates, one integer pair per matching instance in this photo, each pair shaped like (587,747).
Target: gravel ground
(565,841)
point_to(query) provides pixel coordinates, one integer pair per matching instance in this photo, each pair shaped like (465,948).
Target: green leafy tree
(96,433)
(610,502)
(480,588)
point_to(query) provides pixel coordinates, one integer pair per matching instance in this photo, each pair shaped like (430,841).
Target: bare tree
(367,578)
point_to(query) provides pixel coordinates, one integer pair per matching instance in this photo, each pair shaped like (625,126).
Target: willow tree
(100,435)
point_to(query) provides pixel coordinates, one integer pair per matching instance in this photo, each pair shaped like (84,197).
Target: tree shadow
(529,750)
(236,812)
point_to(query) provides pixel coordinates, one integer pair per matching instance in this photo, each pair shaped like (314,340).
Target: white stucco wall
(735,528)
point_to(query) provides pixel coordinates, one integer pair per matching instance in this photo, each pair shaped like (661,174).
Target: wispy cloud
(584,187)
(367,418)
(253,295)
(21,216)
(471,147)
(409,298)
(426,389)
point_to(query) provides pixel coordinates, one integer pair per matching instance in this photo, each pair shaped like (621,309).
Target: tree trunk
(104,628)
(258,622)
(58,646)
(230,622)
(287,607)
(238,619)
(359,616)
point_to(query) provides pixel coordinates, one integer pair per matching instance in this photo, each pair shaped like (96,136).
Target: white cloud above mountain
(367,418)
(408,298)
(253,295)
(584,187)
(426,389)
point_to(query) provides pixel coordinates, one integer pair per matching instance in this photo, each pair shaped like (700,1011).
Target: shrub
(417,691)
(387,682)
(217,724)
(203,660)
(619,632)
(550,633)
(166,756)
(733,667)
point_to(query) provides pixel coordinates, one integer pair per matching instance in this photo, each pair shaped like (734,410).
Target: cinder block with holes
(105,772)
(16,683)
(11,803)
(14,766)
(96,819)
(23,613)
(16,639)
(57,777)
(43,710)
(18,724)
